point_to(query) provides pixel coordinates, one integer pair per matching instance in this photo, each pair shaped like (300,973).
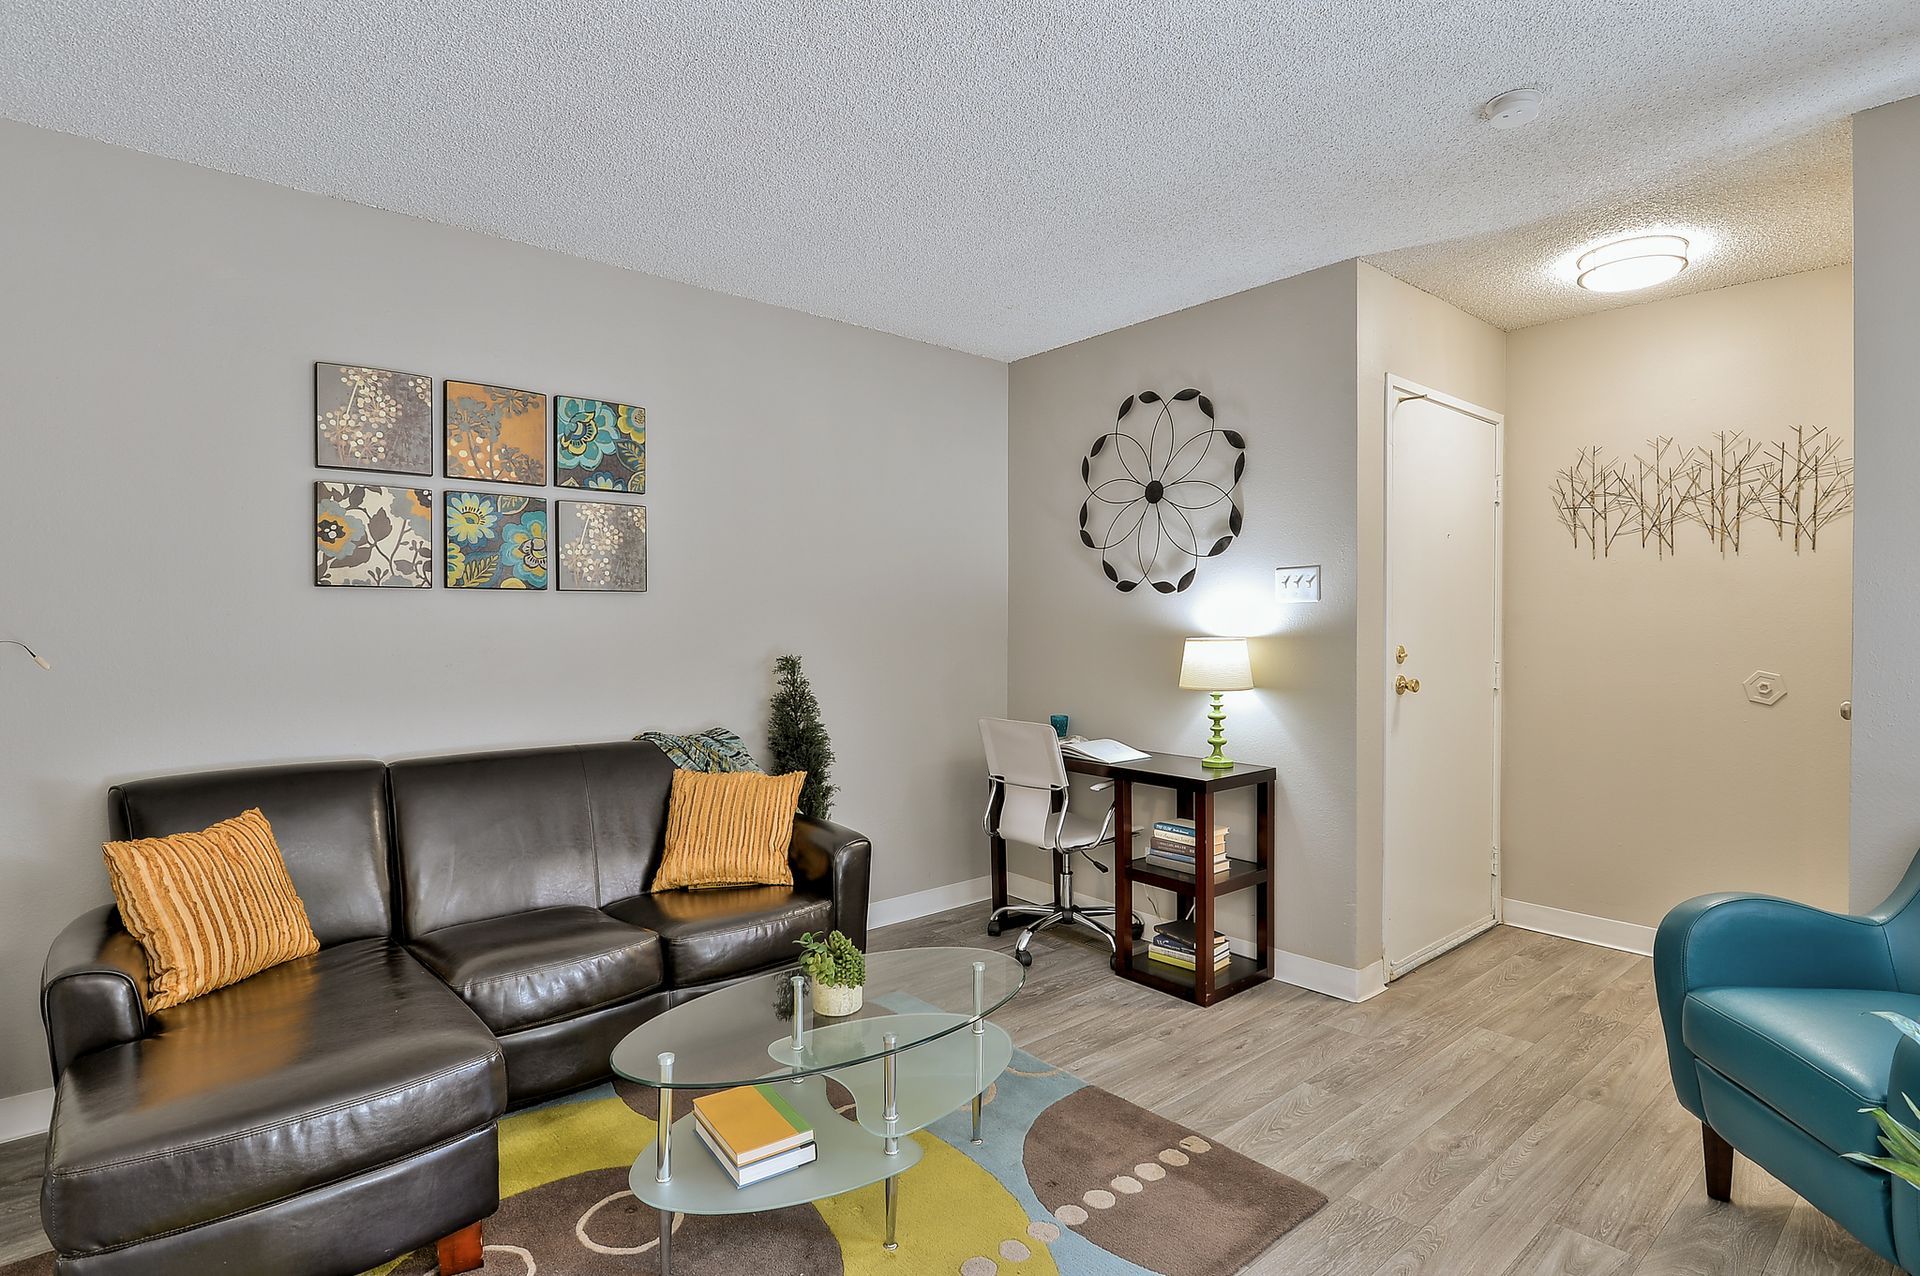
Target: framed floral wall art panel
(603,547)
(372,419)
(496,433)
(366,535)
(496,541)
(599,445)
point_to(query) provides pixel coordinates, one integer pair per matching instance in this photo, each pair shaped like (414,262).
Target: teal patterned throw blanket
(715,749)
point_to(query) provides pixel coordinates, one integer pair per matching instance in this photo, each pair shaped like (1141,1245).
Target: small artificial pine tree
(798,738)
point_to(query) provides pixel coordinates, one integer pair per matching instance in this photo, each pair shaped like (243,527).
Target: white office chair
(1028,803)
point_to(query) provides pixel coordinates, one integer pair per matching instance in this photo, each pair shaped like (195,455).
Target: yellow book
(752,1122)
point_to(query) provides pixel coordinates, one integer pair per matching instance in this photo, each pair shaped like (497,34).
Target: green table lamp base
(1217,760)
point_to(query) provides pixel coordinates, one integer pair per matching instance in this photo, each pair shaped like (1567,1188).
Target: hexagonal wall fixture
(1765,688)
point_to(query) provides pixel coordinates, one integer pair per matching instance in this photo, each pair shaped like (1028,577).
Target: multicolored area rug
(1070,1180)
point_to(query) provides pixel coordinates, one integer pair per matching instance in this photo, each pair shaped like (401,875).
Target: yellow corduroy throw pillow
(209,908)
(729,828)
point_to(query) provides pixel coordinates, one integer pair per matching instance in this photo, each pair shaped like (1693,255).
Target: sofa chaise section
(315,1118)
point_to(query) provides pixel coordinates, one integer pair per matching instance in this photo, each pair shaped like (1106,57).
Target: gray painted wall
(1279,364)
(815,487)
(1886,606)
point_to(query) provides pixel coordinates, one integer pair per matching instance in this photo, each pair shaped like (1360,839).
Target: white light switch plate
(1297,584)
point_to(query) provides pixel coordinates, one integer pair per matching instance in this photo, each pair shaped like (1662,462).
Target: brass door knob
(1404,684)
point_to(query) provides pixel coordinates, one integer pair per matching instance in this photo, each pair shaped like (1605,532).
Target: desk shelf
(1239,972)
(1240,874)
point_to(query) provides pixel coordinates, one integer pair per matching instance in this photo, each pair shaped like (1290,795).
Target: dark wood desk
(1195,788)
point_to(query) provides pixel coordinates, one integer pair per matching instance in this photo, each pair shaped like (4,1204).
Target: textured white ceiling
(1001,176)
(1785,210)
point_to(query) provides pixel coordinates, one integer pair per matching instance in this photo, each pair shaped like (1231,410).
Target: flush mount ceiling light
(1627,264)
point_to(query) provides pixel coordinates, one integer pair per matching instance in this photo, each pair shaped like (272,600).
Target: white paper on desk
(1108,751)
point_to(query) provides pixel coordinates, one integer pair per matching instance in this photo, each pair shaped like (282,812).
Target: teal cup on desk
(1059,721)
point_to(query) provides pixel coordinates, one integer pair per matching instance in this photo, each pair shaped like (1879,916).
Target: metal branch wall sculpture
(1795,487)
(1155,508)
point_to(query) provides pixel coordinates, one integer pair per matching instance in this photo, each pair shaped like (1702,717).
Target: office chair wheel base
(1022,956)
(993,927)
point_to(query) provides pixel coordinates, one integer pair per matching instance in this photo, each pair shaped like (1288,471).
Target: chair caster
(1138,928)
(1022,956)
(993,927)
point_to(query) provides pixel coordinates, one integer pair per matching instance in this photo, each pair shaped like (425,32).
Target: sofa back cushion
(329,819)
(482,835)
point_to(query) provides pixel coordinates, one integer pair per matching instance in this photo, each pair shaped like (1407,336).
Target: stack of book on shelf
(1173,944)
(1172,846)
(754,1132)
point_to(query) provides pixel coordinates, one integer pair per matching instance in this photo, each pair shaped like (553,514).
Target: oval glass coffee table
(919,1048)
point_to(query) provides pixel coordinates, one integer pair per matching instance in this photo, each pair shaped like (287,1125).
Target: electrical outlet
(1297,584)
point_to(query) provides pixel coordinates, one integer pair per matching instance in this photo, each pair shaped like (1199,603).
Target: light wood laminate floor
(1504,1110)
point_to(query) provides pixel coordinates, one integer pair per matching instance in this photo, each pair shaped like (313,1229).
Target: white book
(1109,751)
(765,1168)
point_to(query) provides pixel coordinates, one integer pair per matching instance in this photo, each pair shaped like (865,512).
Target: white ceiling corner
(993,176)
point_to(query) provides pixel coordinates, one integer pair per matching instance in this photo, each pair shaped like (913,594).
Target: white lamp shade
(1216,664)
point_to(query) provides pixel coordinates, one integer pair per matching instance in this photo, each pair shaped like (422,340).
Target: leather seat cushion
(1814,1055)
(532,968)
(711,934)
(293,1079)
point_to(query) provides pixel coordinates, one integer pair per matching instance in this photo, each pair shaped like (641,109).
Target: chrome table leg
(663,1158)
(889,1096)
(979,1038)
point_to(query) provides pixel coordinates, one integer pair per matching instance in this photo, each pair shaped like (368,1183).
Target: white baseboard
(1604,931)
(25,1115)
(905,908)
(1330,980)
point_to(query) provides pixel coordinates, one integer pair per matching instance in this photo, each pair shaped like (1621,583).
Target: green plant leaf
(1907,1026)
(1896,1138)
(1899,1169)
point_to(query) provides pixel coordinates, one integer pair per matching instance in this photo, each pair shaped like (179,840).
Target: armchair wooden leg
(460,1252)
(1719,1155)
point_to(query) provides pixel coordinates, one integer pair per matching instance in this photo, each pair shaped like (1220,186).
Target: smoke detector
(1516,108)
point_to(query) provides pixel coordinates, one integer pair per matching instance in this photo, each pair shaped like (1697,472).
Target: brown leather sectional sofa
(486,937)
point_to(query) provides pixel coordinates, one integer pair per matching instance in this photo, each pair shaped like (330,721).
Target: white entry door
(1441,872)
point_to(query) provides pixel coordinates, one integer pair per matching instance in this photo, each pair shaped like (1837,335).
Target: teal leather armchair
(1767,1006)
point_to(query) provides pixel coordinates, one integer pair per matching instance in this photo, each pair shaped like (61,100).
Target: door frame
(1400,390)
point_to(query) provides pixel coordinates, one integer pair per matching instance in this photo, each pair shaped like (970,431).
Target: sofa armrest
(91,986)
(828,856)
(1757,941)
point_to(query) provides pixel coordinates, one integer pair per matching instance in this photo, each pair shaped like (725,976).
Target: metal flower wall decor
(1156,506)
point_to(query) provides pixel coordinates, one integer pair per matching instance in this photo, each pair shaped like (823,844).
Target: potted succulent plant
(836,970)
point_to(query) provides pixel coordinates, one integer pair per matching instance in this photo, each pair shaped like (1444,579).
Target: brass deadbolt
(1399,655)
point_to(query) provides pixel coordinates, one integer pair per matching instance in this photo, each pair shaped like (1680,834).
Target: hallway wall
(1637,772)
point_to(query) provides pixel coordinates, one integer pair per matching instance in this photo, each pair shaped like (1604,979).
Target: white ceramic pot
(833,1002)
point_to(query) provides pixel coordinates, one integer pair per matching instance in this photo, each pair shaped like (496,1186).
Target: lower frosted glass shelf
(936,1079)
(849,1157)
